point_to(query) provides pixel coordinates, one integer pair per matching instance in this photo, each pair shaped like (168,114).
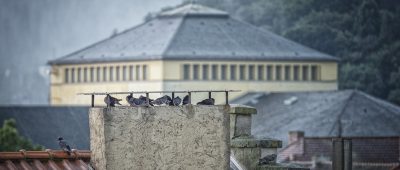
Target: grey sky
(35,31)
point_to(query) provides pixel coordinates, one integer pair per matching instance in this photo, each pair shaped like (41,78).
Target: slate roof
(194,32)
(43,124)
(322,114)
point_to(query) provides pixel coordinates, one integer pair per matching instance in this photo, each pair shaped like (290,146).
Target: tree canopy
(363,34)
(10,140)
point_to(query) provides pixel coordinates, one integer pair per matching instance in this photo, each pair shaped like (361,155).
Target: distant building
(347,113)
(371,123)
(367,152)
(189,48)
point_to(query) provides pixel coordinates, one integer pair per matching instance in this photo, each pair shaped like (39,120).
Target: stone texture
(242,109)
(182,137)
(247,157)
(240,120)
(248,150)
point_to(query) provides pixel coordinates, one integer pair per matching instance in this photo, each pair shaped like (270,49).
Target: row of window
(248,72)
(105,74)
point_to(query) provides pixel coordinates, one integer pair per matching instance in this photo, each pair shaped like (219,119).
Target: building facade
(191,47)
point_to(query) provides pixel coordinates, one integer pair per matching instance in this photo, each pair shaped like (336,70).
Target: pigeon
(111,101)
(137,102)
(269,159)
(128,98)
(162,100)
(63,145)
(176,101)
(169,100)
(185,100)
(133,101)
(143,99)
(209,101)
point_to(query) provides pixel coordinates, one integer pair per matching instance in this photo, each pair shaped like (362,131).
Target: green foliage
(364,34)
(10,140)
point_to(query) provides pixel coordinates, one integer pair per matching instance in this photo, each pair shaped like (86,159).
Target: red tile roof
(49,159)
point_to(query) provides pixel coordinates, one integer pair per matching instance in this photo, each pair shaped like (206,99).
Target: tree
(10,140)
(363,34)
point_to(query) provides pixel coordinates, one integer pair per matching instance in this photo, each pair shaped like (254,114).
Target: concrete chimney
(164,137)
(295,136)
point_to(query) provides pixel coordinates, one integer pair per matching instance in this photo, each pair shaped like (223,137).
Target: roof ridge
(378,101)
(339,117)
(173,37)
(238,45)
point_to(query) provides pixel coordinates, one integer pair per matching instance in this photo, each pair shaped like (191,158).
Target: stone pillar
(244,147)
(240,118)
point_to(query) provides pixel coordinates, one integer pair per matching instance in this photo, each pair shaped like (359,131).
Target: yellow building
(191,47)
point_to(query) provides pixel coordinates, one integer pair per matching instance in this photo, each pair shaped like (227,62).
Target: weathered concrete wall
(183,137)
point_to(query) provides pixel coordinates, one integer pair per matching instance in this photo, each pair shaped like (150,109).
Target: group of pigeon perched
(164,100)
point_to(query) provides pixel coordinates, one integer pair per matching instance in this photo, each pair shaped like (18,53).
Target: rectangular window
(144,73)
(195,72)
(214,72)
(278,72)
(233,72)
(72,75)
(131,73)
(242,72)
(295,73)
(260,72)
(66,75)
(251,72)
(205,72)
(104,73)
(117,77)
(137,72)
(287,72)
(111,74)
(269,72)
(124,73)
(85,74)
(98,74)
(79,75)
(314,73)
(305,73)
(91,74)
(186,72)
(223,72)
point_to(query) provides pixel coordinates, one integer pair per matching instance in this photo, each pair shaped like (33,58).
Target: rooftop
(349,113)
(48,159)
(194,32)
(193,10)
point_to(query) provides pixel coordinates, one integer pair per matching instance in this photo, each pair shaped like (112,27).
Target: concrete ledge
(247,142)
(242,109)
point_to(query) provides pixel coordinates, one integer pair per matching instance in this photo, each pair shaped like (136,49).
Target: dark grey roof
(194,32)
(322,114)
(43,124)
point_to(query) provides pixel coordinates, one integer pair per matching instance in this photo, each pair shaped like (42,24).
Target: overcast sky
(35,31)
